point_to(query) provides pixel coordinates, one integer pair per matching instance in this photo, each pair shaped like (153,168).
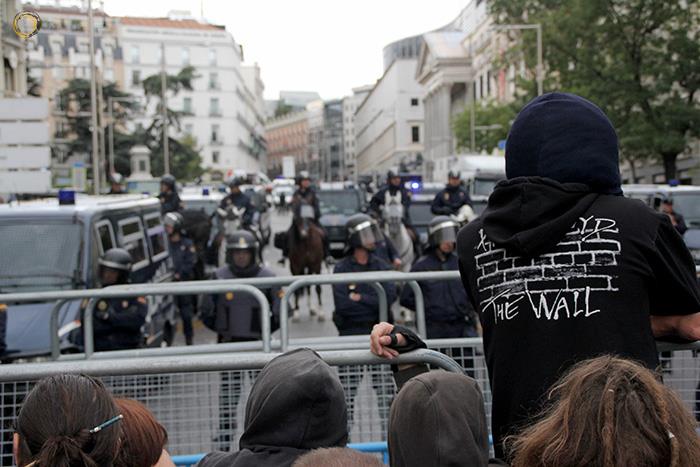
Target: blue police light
(415,185)
(66,197)
(205,191)
(674,182)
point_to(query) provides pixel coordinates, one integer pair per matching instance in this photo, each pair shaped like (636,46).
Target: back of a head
(609,412)
(143,438)
(438,419)
(55,420)
(297,401)
(566,138)
(337,457)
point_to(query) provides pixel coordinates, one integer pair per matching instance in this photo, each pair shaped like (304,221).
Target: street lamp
(93,102)
(538,28)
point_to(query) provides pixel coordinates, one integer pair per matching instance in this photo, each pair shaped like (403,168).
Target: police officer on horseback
(184,256)
(392,192)
(117,322)
(236,198)
(169,199)
(450,200)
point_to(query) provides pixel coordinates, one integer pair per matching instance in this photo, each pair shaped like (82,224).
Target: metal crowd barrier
(251,285)
(202,397)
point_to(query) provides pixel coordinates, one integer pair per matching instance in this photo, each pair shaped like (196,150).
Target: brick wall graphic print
(553,286)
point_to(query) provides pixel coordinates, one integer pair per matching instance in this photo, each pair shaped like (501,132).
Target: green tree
(282,109)
(498,117)
(185,159)
(639,60)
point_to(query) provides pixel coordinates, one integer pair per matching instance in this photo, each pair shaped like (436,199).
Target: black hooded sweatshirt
(559,273)
(296,404)
(438,420)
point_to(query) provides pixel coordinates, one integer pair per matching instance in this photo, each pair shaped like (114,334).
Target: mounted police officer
(239,200)
(169,199)
(117,322)
(305,195)
(235,316)
(184,256)
(450,200)
(357,305)
(392,193)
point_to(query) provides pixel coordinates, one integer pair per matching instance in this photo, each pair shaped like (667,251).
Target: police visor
(443,232)
(367,233)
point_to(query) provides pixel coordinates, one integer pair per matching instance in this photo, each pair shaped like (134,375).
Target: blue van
(47,246)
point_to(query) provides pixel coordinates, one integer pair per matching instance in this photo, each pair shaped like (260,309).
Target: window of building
(135,54)
(414,102)
(215,133)
(214,109)
(189,129)
(415,134)
(212,57)
(185,56)
(213,80)
(215,157)
(481,86)
(187,105)
(488,83)
(135,77)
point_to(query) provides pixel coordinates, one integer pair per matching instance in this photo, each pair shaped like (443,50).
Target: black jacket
(184,257)
(240,200)
(169,202)
(367,309)
(296,404)
(309,197)
(117,323)
(379,199)
(444,300)
(450,200)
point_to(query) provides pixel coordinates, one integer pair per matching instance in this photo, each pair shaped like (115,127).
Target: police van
(55,244)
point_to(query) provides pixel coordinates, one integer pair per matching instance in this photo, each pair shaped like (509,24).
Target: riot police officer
(184,256)
(116,181)
(117,322)
(238,199)
(450,200)
(169,199)
(392,192)
(448,312)
(235,316)
(357,305)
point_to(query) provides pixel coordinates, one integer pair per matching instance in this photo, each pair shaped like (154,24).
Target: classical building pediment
(443,59)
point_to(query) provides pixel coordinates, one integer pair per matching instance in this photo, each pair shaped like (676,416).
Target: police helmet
(175,220)
(442,229)
(392,173)
(241,240)
(119,260)
(363,231)
(303,175)
(168,180)
(236,181)
(454,174)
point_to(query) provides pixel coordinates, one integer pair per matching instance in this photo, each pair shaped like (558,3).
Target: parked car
(338,201)
(57,247)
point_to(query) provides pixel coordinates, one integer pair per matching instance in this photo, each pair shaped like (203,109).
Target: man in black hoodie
(296,404)
(561,267)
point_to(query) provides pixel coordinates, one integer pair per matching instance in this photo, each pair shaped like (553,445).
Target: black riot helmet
(169,181)
(303,175)
(175,220)
(442,229)
(392,173)
(454,174)
(236,181)
(115,259)
(242,240)
(363,231)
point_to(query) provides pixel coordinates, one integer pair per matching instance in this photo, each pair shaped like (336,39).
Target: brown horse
(305,257)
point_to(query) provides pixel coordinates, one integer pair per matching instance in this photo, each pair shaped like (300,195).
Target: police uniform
(307,196)
(388,193)
(117,323)
(240,200)
(184,256)
(169,202)
(450,200)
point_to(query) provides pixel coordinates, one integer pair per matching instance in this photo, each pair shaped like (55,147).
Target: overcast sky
(328,46)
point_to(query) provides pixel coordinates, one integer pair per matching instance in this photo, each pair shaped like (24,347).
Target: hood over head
(297,401)
(566,138)
(438,419)
(529,216)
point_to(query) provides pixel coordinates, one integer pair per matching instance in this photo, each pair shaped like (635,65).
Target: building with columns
(13,79)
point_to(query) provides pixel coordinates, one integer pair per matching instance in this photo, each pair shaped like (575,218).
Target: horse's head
(393,218)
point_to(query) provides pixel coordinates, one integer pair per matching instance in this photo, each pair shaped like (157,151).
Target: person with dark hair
(296,404)
(337,457)
(561,267)
(143,439)
(452,198)
(184,257)
(609,411)
(677,219)
(67,421)
(117,322)
(169,199)
(236,318)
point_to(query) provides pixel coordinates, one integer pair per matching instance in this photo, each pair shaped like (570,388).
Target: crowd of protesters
(571,282)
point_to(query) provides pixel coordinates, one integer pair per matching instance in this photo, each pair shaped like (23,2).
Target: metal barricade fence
(200,400)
